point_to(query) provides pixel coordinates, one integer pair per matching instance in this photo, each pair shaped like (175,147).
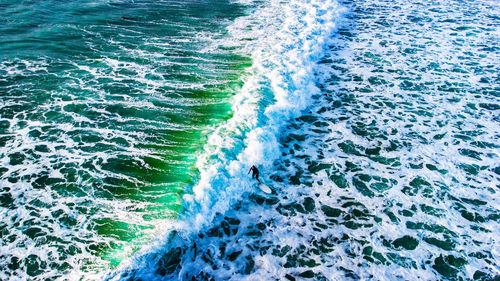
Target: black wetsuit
(255,173)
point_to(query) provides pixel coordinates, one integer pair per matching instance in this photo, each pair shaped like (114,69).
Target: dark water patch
(361,187)
(331,212)
(309,204)
(490,106)
(448,265)
(447,245)
(470,153)
(475,202)
(480,275)
(406,242)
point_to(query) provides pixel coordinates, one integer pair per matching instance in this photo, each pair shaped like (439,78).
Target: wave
(285,41)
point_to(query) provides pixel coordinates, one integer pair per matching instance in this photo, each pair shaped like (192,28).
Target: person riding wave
(255,172)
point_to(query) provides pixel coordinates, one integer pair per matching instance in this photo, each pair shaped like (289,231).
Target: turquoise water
(104,107)
(128,128)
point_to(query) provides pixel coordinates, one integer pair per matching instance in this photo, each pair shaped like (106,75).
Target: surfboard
(265,188)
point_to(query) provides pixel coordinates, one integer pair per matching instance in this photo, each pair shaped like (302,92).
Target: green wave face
(103,109)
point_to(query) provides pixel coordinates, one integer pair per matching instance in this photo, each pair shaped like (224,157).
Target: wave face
(381,147)
(103,108)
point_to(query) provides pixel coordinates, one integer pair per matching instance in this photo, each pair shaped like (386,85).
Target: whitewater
(375,124)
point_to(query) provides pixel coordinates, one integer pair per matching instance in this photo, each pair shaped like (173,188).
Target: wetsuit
(255,173)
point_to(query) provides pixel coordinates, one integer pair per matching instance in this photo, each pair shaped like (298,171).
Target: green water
(103,109)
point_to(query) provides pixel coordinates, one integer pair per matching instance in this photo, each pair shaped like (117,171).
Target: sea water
(104,106)
(375,123)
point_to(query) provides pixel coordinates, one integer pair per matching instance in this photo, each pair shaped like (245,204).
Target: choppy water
(103,108)
(391,173)
(376,124)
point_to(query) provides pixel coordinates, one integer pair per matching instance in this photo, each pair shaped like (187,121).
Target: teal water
(127,130)
(104,106)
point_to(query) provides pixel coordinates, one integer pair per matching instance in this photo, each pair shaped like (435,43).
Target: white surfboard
(265,188)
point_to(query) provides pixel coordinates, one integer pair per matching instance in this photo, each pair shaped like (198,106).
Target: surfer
(255,172)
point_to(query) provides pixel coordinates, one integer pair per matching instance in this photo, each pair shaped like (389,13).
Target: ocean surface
(127,129)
